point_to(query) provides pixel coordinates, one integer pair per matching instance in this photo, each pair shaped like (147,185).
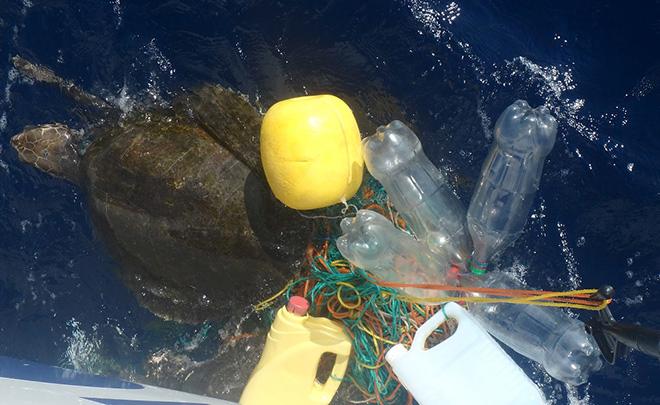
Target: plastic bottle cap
(297,305)
(454,271)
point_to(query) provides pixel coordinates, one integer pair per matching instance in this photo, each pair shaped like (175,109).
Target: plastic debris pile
(374,316)
(412,245)
(377,314)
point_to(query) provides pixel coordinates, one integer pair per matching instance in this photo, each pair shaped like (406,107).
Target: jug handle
(325,392)
(449,310)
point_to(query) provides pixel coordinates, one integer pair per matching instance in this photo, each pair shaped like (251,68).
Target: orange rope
(583,299)
(375,207)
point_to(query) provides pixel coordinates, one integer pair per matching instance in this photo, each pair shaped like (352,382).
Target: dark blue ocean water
(448,68)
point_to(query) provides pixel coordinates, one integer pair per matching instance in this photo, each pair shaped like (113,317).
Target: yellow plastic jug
(286,373)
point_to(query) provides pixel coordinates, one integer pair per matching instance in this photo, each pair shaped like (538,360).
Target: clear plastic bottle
(370,241)
(418,190)
(509,179)
(543,334)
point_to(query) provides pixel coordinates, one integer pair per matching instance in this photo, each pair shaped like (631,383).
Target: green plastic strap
(477,267)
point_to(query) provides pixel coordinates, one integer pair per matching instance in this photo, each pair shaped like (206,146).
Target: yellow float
(311,151)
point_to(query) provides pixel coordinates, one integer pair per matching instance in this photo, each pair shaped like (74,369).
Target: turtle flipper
(42,74)
(229,118)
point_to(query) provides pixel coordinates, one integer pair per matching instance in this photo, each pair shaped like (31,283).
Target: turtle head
(51,148)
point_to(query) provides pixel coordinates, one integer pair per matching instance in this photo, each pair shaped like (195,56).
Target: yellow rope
(374,336)
(270,301)
(340,263)
(419,308)
(531,300)
(355,290)
(539,300)
(374,367)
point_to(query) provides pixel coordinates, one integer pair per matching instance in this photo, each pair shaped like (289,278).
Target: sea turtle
(178,195)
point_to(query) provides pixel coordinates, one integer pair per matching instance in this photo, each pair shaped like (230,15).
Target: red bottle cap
(454,271)
(297,305)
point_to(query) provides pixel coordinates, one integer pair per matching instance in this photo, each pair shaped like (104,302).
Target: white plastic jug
(468,368)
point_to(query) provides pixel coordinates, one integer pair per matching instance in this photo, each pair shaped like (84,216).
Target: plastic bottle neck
(477,267)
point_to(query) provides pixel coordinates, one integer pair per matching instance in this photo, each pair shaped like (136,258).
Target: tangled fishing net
(373,316)
(376,314)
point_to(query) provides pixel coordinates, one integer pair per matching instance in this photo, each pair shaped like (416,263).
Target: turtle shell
(196,231)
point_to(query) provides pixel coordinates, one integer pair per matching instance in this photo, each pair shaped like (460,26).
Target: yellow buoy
(311,151)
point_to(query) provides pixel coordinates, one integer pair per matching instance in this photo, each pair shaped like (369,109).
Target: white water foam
(116,8)
(434,19)
(574,397)
(12,75)
(197,339)
(156,55)
(82,352)
(27,4)
(574,278)
(132,93)
(519,271)
(123,99)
